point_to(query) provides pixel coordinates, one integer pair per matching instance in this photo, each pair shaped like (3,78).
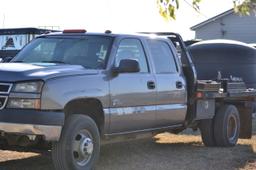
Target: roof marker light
(75,31)
(108,32)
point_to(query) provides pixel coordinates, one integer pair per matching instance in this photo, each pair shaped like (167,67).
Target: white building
(227,25)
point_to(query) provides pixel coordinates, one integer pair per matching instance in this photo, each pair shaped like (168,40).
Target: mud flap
(205,109)
(245,112)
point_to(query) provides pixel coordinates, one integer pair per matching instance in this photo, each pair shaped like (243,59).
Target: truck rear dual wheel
(223,130)
(207,134)
(227,126)
(79,145)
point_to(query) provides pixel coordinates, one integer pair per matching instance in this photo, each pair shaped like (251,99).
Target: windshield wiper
(53,62)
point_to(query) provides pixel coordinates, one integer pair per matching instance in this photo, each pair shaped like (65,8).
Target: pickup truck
(78,90)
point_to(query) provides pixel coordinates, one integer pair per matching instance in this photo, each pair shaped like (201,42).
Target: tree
(167,8)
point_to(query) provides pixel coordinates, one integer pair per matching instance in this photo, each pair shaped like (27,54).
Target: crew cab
(77,90)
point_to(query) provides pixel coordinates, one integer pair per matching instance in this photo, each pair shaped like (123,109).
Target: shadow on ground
(166,152)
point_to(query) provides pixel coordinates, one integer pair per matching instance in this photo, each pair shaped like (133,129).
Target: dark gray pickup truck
(77,90)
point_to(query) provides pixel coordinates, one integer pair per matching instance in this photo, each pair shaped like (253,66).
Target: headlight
(23,103)
(25,95)
(28,87)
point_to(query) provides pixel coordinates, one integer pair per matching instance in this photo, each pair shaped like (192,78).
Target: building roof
(231,11)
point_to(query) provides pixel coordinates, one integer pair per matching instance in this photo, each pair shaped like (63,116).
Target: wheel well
(90,107)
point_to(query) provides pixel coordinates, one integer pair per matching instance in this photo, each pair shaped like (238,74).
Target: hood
(12,72)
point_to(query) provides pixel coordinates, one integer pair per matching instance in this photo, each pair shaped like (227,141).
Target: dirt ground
(166,152)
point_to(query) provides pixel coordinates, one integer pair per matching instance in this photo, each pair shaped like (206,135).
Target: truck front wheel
(226,126)
(79,145)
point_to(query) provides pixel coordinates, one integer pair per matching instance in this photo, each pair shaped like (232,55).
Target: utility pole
(3,20)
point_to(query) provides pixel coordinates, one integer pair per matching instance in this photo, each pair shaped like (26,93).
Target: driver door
(132,94)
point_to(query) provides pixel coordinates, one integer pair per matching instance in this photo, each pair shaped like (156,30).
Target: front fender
(57,93)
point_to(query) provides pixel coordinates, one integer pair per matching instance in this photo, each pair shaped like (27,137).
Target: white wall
(232,26)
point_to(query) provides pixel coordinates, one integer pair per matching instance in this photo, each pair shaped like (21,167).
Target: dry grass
(166,151)
(243,156)
(13,155)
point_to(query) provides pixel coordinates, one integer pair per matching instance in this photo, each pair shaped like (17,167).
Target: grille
(3,100)
(5,88)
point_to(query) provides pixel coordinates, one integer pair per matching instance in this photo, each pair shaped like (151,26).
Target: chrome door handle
(179,84)
(151,85)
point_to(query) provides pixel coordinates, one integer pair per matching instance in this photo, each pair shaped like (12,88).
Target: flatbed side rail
(248,95)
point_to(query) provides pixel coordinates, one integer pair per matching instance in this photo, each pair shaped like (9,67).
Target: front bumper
(50,133)
(32,122)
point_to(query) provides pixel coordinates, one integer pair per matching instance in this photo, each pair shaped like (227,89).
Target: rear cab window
(162,56)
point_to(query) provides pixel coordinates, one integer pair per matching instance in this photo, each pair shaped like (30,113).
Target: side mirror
(1,60)
(127,66)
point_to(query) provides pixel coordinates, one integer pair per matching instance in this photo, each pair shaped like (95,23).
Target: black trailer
(229,58)
(12,40)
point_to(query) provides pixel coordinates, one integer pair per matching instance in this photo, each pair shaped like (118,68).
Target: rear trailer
(230,58)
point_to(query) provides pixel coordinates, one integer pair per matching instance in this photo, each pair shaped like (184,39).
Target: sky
(101,15)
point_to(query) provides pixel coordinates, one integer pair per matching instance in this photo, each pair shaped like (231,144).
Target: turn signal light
(199,95)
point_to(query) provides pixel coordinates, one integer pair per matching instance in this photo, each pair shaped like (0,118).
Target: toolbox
(233,86)
(208,85)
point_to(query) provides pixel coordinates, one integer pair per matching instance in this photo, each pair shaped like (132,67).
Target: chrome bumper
(51,133)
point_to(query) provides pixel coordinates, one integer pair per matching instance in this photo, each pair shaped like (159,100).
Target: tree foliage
(168,8)
(244,7)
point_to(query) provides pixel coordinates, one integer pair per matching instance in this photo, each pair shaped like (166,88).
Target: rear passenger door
(171,93)
(133,95)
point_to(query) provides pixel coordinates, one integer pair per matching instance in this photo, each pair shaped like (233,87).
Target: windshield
(88,51)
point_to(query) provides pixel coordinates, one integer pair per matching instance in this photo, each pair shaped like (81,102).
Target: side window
(162,56)
(132,49)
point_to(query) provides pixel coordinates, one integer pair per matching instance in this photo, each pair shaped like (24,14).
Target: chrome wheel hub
(86,146)
(232,128)
(82,147)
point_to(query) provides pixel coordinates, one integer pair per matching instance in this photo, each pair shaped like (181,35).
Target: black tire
(67,153)
(254,110)
(3,144)
(226,126)
(206,127)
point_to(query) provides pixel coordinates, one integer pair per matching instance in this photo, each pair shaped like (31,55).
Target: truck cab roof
(77,33)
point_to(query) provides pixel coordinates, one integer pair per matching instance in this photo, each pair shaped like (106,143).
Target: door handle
(151,85)
(179,84)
